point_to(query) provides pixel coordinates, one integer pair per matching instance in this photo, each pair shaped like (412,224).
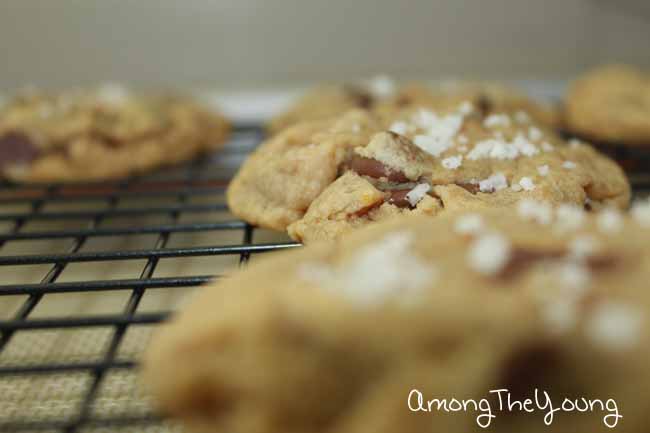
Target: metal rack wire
(196,179)
(205,178)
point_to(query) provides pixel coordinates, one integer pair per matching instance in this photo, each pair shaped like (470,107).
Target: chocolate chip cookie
(103,133)
(496,97)
(611,104)
(345,336)
(319,180)
(385,96)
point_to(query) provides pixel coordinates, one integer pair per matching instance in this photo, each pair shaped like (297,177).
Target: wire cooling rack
(69,345)
(58,368)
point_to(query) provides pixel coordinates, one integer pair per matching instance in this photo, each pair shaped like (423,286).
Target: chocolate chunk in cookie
(17,148)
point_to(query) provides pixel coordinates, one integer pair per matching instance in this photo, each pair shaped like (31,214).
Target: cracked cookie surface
(611,104)
(334,336)
(319,180)
(108,132)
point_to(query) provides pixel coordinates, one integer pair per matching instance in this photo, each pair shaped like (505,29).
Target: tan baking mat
(47,397)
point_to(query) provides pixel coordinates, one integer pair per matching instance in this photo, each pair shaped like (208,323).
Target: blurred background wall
(239,43)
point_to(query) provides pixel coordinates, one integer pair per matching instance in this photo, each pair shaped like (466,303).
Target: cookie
(321,103)
(385,96)
(611,104)
(105,133)
(322,179)
(491,97)
(345,336)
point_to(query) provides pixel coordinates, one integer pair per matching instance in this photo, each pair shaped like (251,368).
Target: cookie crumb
(615,326)
(489,253)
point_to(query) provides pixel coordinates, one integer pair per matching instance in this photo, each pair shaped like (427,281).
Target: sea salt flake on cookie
(560,316)
(386,269)
(574,143)
(641,212)
(574,276)
(489,253)
(382,86)
(569,217)
(583,247)
(469,224)
(498,148)
(466,108)
(441,130)
(522,117)
(418,193)
(452,162)
(615,326)
(569,165)
(381,271)
(527,184)
(547,147)
(493,148)
(496,120)
(535,133)
(431,145)
(534,210)
(399,127)
(496,182)
(610,221)
(543,170)
(524,146)
(462,139)
(113,94)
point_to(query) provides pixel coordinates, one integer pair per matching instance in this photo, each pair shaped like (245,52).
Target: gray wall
(237,43)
